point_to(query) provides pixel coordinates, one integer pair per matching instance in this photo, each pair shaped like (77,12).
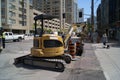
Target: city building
(99,23)
(14,14)
(66,10)
(118,20)
(104,13)
(108,16)
(0,15)
(75,11)
(71,11)
(52,25)
(52,7)
(118,10)
(17,16)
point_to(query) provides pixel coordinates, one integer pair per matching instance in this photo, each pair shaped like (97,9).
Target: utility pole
(92,20)
(92,14)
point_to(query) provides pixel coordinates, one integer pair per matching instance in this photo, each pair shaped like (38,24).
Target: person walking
(104,40)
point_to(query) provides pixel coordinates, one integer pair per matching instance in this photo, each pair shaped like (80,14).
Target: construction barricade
(79,48)
(72,50)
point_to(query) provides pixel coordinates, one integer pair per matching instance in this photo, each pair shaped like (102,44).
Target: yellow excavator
(48,50)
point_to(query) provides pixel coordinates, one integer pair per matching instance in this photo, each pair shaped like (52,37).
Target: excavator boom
(73,27)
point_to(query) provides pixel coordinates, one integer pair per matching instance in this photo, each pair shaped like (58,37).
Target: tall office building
(118,10)
(108,16)
(69,11)
(52,7)
(14,14)
(57,8)
(75,11)
(0,14)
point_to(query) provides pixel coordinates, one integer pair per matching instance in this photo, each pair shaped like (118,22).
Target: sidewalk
(109,60)
(86,68)
(28,37)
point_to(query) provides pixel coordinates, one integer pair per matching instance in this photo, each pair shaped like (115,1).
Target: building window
(22,16)
(12,21)
(11,6)
(23,23)
(56,2)
(3,20)
(22,9)
(2,11)
(31,2)
(3,5)
(11,14)
(3,1)
(24,4)
(12,0)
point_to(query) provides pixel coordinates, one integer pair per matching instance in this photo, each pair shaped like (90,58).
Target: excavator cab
(49,45)
(45,45)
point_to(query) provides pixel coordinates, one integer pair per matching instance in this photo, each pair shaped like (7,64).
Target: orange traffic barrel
(72,50)
(70,42)
(79,48)
(78,44)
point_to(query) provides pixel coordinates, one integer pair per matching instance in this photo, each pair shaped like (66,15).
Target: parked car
(13,37)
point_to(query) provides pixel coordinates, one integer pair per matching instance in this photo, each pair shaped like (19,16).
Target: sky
(86,4)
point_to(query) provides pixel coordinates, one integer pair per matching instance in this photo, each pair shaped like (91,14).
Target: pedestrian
(104,40)
(3,38)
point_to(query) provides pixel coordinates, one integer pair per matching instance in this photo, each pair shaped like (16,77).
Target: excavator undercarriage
(58,63)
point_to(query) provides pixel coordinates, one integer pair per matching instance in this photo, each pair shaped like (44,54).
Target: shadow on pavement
(115,45)
(31,67)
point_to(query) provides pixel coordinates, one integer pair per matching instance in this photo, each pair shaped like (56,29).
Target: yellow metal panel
(47,52)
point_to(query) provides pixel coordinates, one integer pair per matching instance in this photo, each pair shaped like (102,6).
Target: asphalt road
(8,71)
(84,68)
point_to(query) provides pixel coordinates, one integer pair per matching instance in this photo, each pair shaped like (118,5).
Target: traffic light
(80,14)
(64,15)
